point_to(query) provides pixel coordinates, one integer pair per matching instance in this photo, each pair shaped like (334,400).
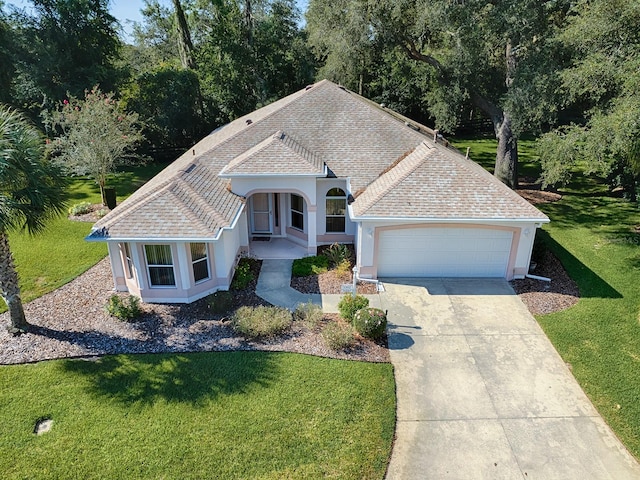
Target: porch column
(312,229)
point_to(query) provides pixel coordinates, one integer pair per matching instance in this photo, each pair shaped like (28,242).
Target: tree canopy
(93,135)
(601,83)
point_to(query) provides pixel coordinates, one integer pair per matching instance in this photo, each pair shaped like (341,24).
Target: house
(320,166)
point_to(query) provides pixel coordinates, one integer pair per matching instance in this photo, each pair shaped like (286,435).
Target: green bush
(124,310)
(370,322)
(303,267)
(244,274)
(338,336)
(309,313)
(102,212)
(349,305)
(257,322)
(220,301)
(337,253)
(80,208)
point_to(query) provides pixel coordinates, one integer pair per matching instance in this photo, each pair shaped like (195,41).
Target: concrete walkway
(274,285)
(482,393)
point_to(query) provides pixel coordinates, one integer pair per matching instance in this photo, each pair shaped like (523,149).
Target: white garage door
(444,252)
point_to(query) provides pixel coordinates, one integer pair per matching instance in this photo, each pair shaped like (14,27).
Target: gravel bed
(542,297)
(328,283)
(72,322)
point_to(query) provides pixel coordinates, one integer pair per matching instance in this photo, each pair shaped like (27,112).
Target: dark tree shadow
(190,377)
(591,285)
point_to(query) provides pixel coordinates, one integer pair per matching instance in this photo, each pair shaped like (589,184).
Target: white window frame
(297,212)
(344,215)
(128,262)
(204,260)
(151,265)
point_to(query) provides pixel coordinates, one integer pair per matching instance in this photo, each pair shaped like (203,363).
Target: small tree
(96,135)
(31,191)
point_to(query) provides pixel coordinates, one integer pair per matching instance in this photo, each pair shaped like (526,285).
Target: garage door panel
(444,252)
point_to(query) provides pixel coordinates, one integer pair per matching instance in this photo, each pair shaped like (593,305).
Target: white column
(312,229)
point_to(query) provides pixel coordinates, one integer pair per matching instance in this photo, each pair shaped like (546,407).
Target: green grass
(207,415)
(483,151)
(59,254)
(303,267)
(593,235)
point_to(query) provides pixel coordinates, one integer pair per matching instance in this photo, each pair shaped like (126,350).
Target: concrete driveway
(482,393)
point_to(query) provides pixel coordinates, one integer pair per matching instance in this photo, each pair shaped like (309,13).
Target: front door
(261,217)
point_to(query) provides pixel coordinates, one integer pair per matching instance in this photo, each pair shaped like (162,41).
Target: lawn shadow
(189,377)
(591,285)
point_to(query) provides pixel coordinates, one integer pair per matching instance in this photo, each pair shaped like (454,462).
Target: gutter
(169,239)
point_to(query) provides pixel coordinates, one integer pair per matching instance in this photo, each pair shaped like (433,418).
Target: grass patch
(483,151)
(303,267)
(238,414)
(593,234)
(48,260)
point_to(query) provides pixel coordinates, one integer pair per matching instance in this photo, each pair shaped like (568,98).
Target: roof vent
(190,169)
(249,121)
(382,105)
(412,126)
(308,87)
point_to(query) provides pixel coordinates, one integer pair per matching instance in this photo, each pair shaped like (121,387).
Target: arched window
(336,209)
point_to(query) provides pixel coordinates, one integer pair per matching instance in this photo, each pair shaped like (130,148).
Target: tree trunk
(10,289)
(184,38)
(506,169)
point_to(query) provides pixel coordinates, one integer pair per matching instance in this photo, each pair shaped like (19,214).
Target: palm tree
(32,190)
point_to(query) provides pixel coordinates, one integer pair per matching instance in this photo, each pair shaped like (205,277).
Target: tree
(491,56)
(32,190)
(96,135)
(167,101)
(66,46)
(602,80)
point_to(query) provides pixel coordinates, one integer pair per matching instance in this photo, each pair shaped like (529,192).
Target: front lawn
(594,235)
(205,415)
(48,260)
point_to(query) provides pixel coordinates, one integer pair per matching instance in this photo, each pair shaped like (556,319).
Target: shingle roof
(395,165)
(433,182)
(278,154)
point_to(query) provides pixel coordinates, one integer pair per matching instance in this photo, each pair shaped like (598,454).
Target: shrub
(124,310)
(337,253)
(349,305)
(370,322)
(220,301)
(303,267)
(80,208)
(102,212)
(343,270)
(256,322)
(338,336)
(309,313)
(243,275)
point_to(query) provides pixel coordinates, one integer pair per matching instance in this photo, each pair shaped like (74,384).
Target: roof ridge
(297,96)
(311,157)
(124,208)
(210,212)
(472,166)
(410,163)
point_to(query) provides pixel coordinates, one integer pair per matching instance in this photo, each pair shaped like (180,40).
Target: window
(297,212)
(199,262)
(160,265)
(128,263)
(336,208)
